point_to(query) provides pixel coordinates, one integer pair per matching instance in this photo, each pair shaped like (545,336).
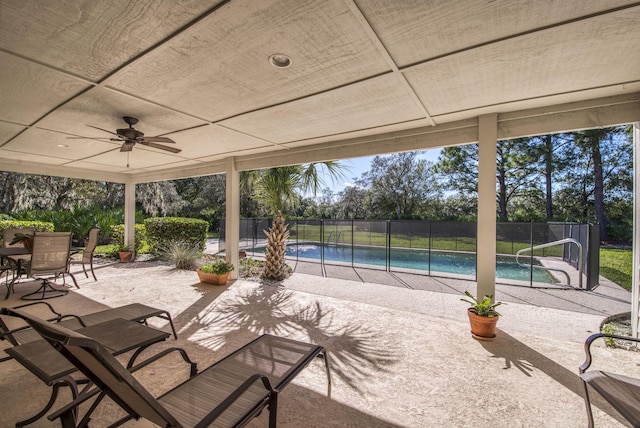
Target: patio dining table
(8,263)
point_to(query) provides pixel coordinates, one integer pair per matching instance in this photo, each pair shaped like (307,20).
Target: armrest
(53,311)
(592,338)
(194,366)
(75,403)
(213,415)
(76,317)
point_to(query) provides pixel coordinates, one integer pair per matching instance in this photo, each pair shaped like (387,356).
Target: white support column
(232,227)
(130,214)
(486,257)
(635,287)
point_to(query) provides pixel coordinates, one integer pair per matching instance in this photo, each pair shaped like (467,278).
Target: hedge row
(159,232)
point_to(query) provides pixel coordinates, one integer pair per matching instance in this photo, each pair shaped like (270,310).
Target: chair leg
(84,269)
(273,410)
(587,403)
(325,357)
(74,280)
(92,272)
(64,381)
(43,290)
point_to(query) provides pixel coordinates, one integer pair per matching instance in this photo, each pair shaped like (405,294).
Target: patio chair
(228,393)
(622,392)
(49,260)
(87,254)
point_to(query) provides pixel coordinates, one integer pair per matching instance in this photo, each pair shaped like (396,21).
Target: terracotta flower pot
(125,256)
(213,278)
(482,328)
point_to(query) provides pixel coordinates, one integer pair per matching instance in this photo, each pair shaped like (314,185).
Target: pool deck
(400,356)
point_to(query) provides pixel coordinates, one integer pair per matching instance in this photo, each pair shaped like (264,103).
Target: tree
(279,188)
(457,168)
(552,157)
(400,184)
(159,198)
(515,173)
(353,203)
(606,161)
(275,268)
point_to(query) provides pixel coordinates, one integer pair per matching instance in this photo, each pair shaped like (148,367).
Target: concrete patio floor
(400,357)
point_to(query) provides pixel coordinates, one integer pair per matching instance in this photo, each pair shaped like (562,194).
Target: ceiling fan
(130,137)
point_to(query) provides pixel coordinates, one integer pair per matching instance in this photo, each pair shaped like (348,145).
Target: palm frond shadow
(356,352)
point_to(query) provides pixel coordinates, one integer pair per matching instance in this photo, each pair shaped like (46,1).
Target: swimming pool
(434,261)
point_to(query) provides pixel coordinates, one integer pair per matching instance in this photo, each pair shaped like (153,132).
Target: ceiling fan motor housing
(130,133)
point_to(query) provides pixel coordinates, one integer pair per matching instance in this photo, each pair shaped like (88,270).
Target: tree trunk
(598,193)
(548,169)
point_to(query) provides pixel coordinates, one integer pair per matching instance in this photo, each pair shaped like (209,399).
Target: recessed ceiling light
(64,146)
(280,60)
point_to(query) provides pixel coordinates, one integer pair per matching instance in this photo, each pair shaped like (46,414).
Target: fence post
(531,258)
(388,246)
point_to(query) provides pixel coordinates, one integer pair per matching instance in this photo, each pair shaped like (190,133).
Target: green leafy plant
(484,307)
(183,254)
(219,267)
(250,267)
(21,237)
(123,248)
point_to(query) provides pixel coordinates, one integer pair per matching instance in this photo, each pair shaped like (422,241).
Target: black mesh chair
(622,392)
(228,393)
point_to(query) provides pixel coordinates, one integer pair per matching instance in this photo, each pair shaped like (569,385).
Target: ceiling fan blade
(160,146)
(127,146)
(110,132)
(158,140)
(92,138)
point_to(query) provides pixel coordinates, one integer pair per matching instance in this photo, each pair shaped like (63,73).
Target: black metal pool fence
(565,246)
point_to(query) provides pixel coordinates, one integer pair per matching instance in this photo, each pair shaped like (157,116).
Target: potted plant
(216,272)
(125,253)
(483,316)
(25,239)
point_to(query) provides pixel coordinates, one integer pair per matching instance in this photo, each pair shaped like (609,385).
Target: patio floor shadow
(399,357)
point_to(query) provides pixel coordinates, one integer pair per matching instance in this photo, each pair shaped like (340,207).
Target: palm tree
(279,188)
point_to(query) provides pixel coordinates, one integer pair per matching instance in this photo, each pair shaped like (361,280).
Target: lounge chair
(24,339)
(132,312)
(119,336)
(228,394)
(87,254)
(622,392)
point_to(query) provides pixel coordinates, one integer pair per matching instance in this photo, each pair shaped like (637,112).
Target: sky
(355,167)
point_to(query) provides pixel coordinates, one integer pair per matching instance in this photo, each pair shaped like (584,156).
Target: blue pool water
(445,262)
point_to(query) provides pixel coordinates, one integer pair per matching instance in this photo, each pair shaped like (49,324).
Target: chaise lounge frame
(230,392)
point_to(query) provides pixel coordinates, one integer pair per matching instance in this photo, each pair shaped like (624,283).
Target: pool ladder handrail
(552,244)
(328,241)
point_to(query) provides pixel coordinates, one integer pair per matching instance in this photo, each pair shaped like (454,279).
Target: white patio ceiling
(362,71)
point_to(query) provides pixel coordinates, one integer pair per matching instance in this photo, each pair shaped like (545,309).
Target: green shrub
(38,226)
(117,235)
(162,231)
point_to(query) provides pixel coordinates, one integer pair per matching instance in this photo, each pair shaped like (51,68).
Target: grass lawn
(616,265)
